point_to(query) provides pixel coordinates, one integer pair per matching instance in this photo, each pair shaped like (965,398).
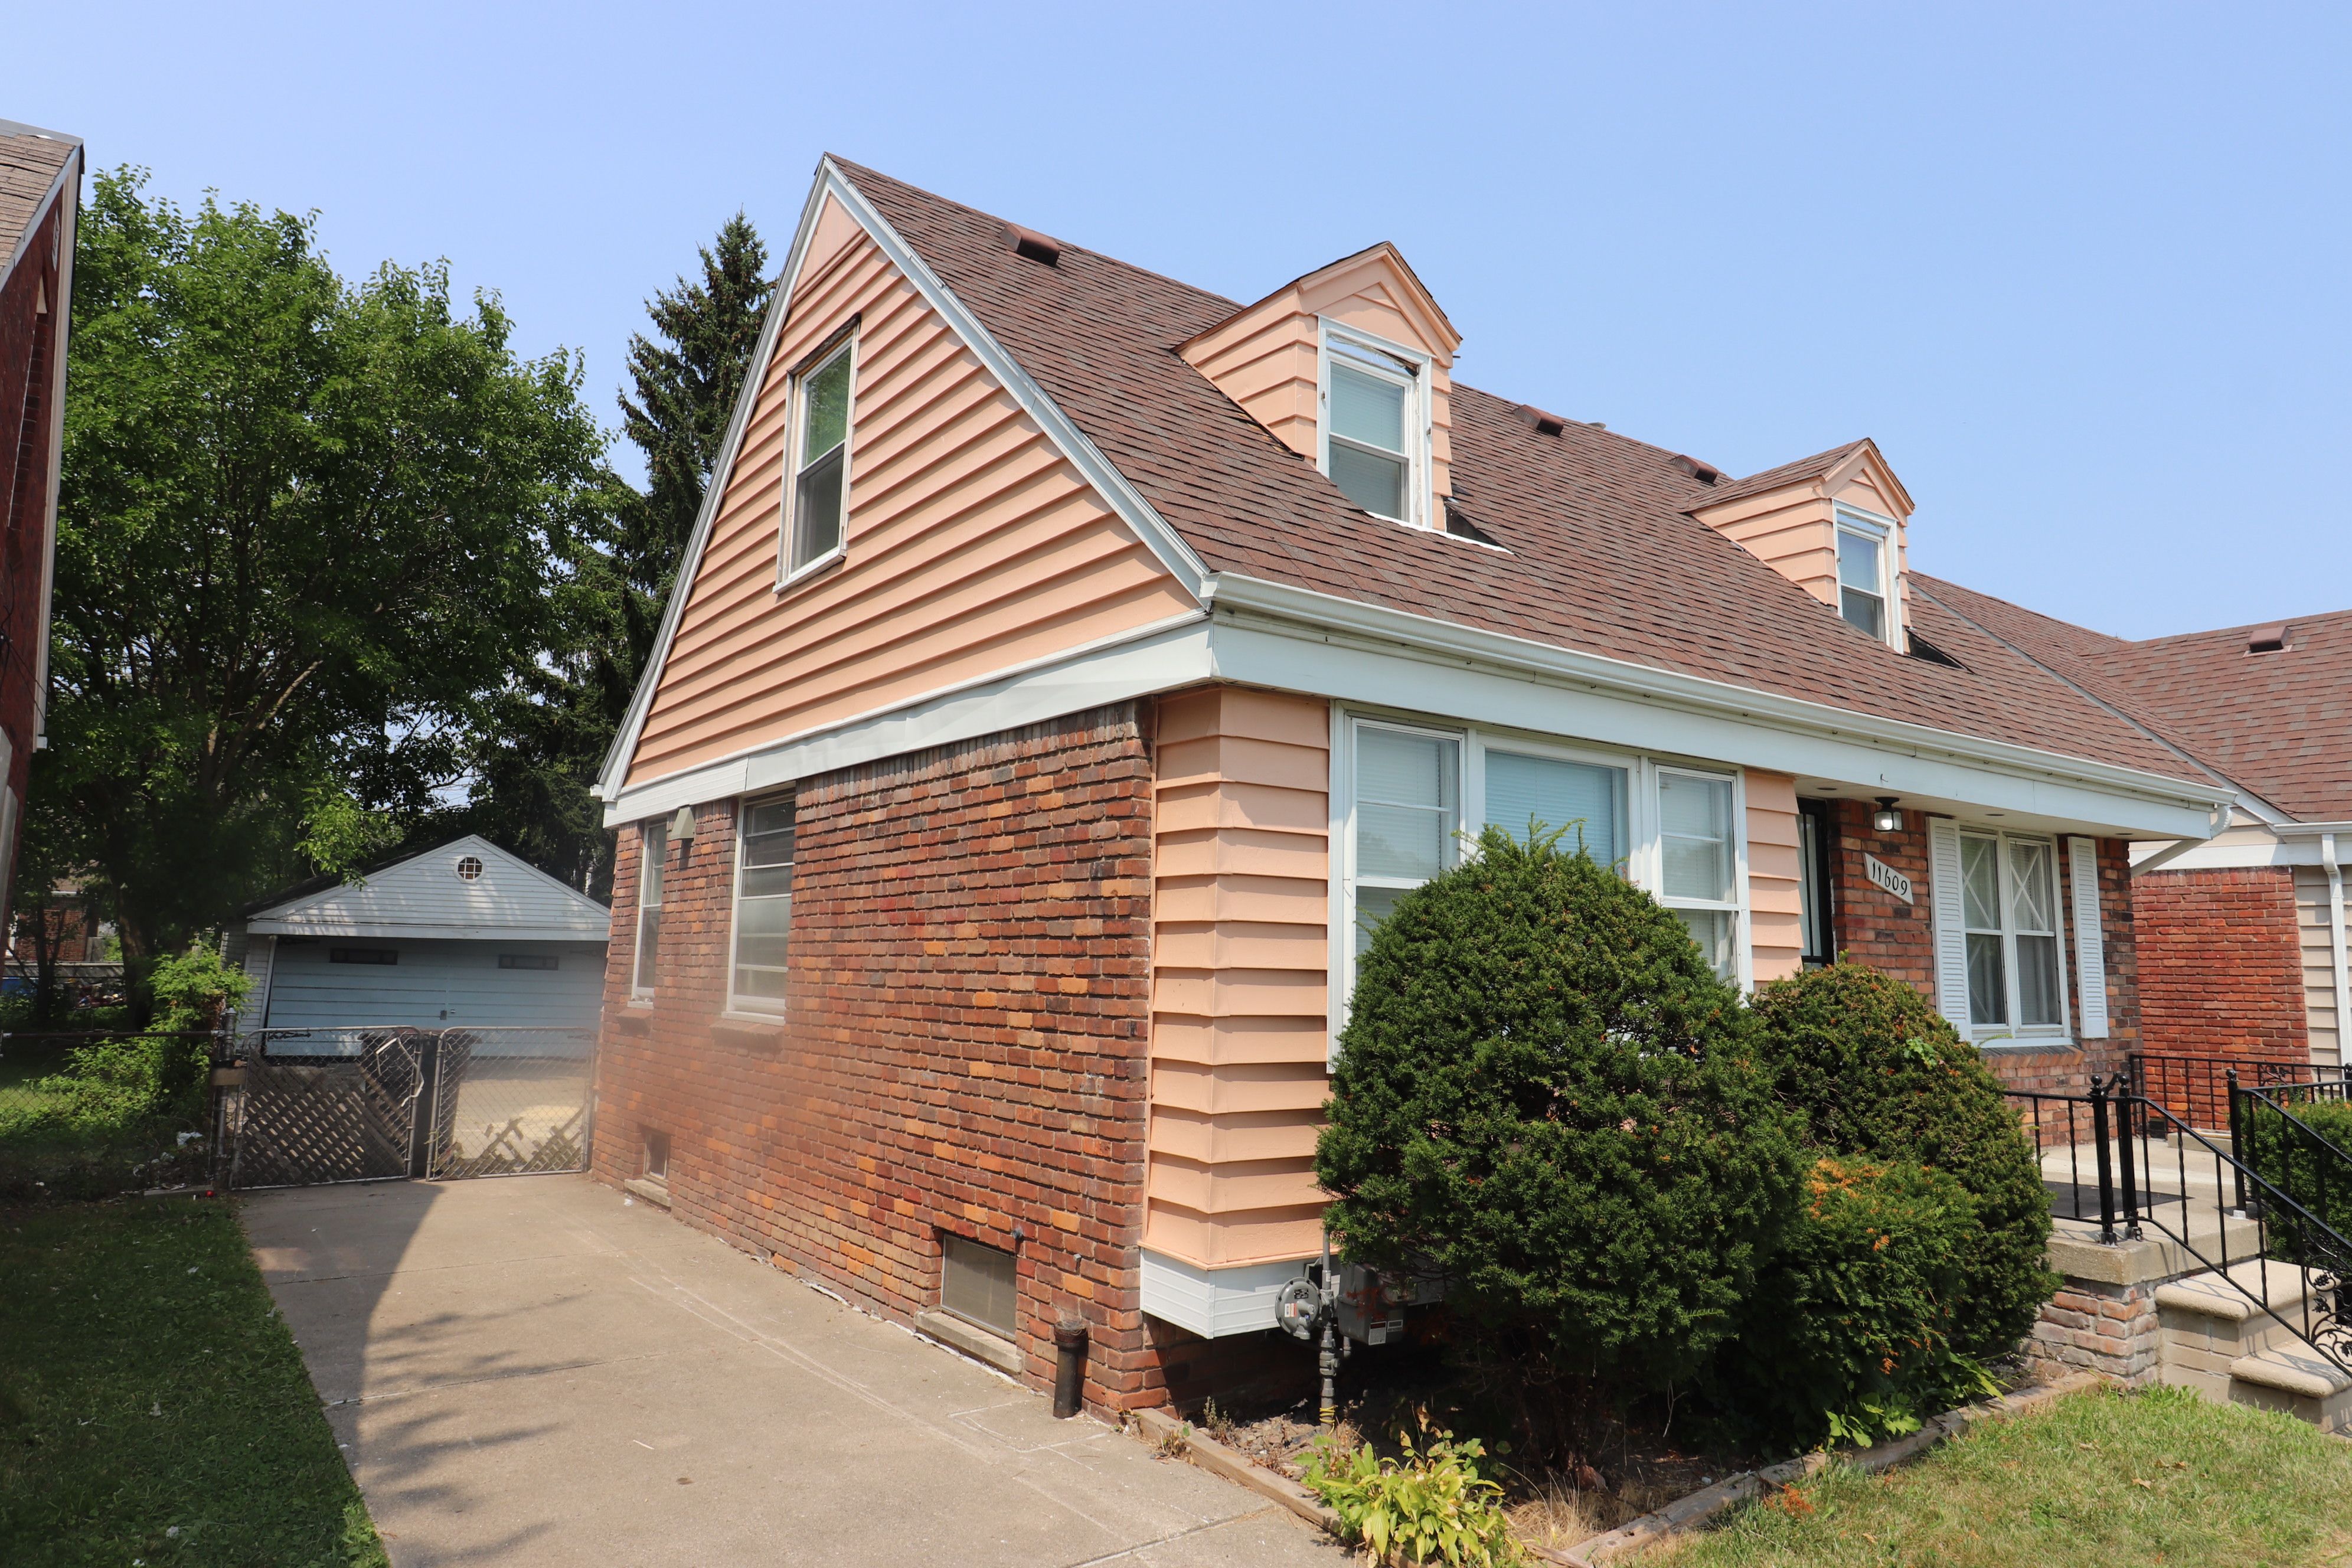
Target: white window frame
(2062,1032)
(1881,530)
(1644,854)
(844,346)
(1417,411)
(652,864)
(763,1007)
(1743,962)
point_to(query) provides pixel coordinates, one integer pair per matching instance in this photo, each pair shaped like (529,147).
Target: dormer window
(1375,425)
(1864,592)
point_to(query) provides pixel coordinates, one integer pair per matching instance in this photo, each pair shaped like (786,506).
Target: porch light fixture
(1887,819)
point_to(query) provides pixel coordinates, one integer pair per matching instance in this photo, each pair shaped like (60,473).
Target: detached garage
(464,936)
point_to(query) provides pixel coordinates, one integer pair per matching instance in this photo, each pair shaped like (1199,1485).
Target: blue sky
(2079,270)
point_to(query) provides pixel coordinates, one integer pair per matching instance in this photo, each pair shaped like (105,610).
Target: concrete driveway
(527,1370)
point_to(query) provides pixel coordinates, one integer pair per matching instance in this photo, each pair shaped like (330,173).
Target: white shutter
(2090,940)
(1951,922)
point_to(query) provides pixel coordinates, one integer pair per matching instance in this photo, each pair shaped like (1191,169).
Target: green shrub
(1852,1338)
(1545,1096)
(1430,1505)
(2299,1165)
(1877,1075)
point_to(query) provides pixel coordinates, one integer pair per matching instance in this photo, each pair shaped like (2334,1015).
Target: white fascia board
(421,933)
(1162,656)
(1163,540)
(66,191)
(1214,1302)
(1298,640)
(1137,513)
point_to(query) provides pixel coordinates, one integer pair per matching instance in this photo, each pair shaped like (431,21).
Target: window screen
(1408,810)
(1369,429)
(980,1284)
(1586,800)
(1862,585)
(764,905)
(820,491)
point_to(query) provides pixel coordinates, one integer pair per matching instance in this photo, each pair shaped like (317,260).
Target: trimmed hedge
(1851,1337)
(1546,1096)
(2315,1176)
(1877,1075)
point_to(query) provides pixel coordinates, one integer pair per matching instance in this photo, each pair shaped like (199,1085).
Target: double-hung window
(1373,427)
(1408,817)
(653,849)
(816,501)
(1698,863)
(763,906)
(2009,901)
(1862,560)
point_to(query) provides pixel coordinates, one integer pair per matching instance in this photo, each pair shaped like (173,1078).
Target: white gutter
(2335,944)
(1427,634)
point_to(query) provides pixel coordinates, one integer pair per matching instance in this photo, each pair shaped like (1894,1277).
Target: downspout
(2336,945)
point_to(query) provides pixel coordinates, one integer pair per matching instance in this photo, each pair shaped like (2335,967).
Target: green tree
(1545,1096)
(310,531)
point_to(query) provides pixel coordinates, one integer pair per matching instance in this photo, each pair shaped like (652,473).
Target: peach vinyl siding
(2318,962)
(1775,865)
(1240,951)
(1793,529)
(971,544)
(1267,357)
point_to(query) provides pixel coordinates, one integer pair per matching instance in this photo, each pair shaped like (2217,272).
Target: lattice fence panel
(506,1115)
(310,1119)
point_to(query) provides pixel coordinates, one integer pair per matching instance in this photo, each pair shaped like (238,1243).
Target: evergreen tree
(685,391)
(535,771)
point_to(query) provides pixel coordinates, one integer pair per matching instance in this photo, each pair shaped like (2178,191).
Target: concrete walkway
(527,1370)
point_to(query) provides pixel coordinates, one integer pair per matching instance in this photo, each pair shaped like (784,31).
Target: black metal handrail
(2284,1231)
(2196,1088)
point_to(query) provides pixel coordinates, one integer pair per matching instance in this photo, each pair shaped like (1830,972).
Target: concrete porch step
(2296,1380)
(2281,1286)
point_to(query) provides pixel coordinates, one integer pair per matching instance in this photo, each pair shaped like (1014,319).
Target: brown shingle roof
(30,161)
(1803,468)
(1602,558)
(2278,724)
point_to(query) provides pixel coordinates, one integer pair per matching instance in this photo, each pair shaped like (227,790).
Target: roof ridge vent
(1031,245)
(2266,639)
(1542,422)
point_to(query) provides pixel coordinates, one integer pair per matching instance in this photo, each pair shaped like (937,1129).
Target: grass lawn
(152,1406)
(2158,1476)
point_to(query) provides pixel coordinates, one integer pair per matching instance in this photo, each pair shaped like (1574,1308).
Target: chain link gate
(319,1106)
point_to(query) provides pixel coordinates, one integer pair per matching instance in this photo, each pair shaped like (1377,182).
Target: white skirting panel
(1214,1302)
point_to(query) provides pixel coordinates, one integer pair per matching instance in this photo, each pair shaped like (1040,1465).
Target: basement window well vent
(1031,246)
(979,1284)
(2266,639)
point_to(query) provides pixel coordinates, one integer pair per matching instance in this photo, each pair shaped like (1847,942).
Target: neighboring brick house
(40,199)
(2242,938)
(1069,664)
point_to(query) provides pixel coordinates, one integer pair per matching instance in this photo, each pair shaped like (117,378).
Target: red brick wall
(29,344)
(1873,927)
(966,1048)
(2223,962)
